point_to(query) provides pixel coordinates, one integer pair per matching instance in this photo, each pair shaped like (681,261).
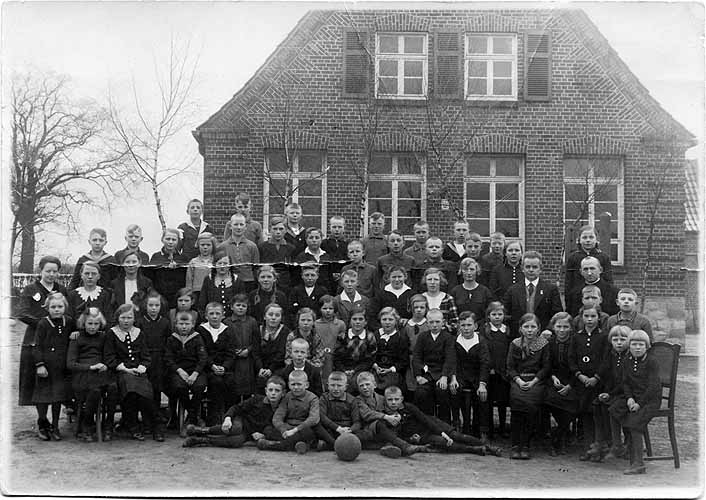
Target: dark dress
(80,300)
(560,369)
(498,344)
(84,352)
(51,345)
(31,310)
(385,298)
(168,274)
(273,350)
(392,351)
(279,258)
(132,354)
(640,377)
(258,299)
(586,354)
(534,362)
(475,300)
(222,294)
(156,332)
(246,335)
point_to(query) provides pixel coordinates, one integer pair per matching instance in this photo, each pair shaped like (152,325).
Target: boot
(637,465)
(467,448)
(493,450)
(515,453)
(192,441)
(54,432)
(266,444)
(43,429)
(194,430)
(411,449)
(391,451)
(616,451)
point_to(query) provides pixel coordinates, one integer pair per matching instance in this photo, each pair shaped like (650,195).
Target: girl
(184,303)
(90,294)
(156,329)
(200,266)
(469,386)
(265,293)
(640,398)
(560,395)
(528,364)
(131,281)
(192,230)
(329,328)
(395,294)
(278,251)
(169,267)
(504,275)
(51,342)
(91,378)
(246,346)
(497,336)
(222,285)
(126,353)
(31,311)
(417,324)
(273,340)
(392,355)
(314,253)
(355,351)
(434,279)
(305,330)
(471,295)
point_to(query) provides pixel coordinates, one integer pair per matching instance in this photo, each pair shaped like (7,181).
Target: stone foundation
(668,318)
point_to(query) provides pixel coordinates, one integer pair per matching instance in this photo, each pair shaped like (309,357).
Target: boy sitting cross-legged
(249,419)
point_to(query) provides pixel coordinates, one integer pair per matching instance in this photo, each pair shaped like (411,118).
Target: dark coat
(50,347)
(472,366)
(547,303)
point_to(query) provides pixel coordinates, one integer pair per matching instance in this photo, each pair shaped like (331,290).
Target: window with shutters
(397,188)
(401,65)
(491,66)
(593,185)
(538,67)
(493,191)
(357,63)
(303,179)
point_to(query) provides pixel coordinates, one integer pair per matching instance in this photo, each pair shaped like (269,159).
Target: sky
(104,46)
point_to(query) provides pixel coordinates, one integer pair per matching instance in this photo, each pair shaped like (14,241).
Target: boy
(349,298)
(190,230)
(278,252)
(368,278)
(307,293)
(591,272)
(628,315)
(168,269)
(375,244)
(591,297)
(474,245)
(434,366)
(253,229)
(133,238)
(335,245)
(533,295)
(395,257)
(295,417)
(184,361)
(370,407)
(97,238)
(495,256)
(241,250)
(300,353)
(338,412)
(587,247)
(433,252)
(455,250)
(421,235)
(295,233)
(249,419)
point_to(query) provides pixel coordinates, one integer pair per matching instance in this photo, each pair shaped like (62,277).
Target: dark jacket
(547,302)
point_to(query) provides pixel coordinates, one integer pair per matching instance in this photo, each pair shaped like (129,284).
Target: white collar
(397,293)
(317,256)
(356,298)
(502,329)
(184,340)
(200,229)
(207,326)
(411,322)
(535,282)
(93,295)
(134,333)
(351,335)
(467,344)
(386,336)
(303,368)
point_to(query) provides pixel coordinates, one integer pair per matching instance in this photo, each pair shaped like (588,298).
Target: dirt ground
(130,468)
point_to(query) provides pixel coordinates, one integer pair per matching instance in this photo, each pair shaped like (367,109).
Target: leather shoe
(515,453)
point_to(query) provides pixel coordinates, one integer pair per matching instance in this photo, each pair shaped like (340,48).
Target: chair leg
(181,416)
(673,441)
(648,443)
(79,417)
(99,420)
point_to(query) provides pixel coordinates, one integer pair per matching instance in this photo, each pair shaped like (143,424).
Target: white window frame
(395,178)
(296,177)
(491,179)
(401,58)
(488,59)
(590,181)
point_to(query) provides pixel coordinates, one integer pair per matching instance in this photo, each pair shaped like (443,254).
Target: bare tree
(145,134)
(59,164)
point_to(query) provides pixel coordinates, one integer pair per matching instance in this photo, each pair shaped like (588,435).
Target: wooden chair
(667,355)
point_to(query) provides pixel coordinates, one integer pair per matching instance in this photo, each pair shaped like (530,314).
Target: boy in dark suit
(532,295)
(591,270)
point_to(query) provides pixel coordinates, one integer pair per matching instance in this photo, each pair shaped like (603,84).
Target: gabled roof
(692,204)
(666,127)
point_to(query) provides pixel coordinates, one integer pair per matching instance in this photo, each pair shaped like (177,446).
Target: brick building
(519,120)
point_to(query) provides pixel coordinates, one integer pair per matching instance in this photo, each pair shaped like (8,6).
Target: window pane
(502,45)
(505,192)
(481,227)
(381,164)
(408,165)
(406,224)
(611,208)
(477,45)
(384,206)
(478,166)
(477,86)
(312,220)
(614,252)
(388,44)
(409,190)
(413,86)
(387,68)
(605,192)
(478,209)
(507,166)
(477,68)
(387,86)
(573,211)
(502,69)
(276,161)
(380,189)
(608,168)
(502,87)
(309,187)
(510,228)
(576,192)
(278,188)
(414,68)
(310,205)
(414,45)
(478,191)
(614,229)
(410,208)
(507,210)
(276,205)
(310,161)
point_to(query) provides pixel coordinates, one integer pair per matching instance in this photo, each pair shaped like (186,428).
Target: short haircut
(133,228)
(434,270)
(377,216)
(292,206)
(435,312)
(90,312)
(312,229)
(532,254)
(465,315)
(397,232)
(277,380)
(326,299)
(587,227)
(243,197)
(527,317)
(193,200)
(362,376)
(589,308)
(357,309)
(310,266)
(185,292)
(640,336)
(300,342)
(49,259)
(355,243)
(122,309)
(305,310)
(184,314)
(127,254)
(392,311)
(339,376)
(591,288)
(497,235)
(214,305)
(464,222)
(277,219)
(299,375)
(468,262)
(619,329)
(99,231)
(239,298)
(560,316)
(393,269)
(433,239)
(171,230)
(91,263)
(337,218)
(421,223)
(474,237)
(591,258)
(272,305)
(628,291)
(393,389)
(494,306)
(56,296)
(237,215)
(349,273)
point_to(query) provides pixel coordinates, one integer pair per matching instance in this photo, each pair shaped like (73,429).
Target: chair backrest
(667,356)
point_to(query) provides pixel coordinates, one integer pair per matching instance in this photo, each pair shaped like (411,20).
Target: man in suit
(532,295)
(591,270)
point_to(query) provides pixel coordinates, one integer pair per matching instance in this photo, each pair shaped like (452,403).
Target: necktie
(530,290)
(530,298)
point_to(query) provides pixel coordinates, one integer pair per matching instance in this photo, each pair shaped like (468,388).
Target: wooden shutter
(538,66)
(448,67)
(356,64)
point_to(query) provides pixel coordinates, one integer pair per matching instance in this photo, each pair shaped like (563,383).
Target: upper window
(491,66)
(592,186)
(401,65)
(494,195)
(397,188)
(300,180)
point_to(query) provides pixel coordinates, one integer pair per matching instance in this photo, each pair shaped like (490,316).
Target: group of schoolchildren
(296,340)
